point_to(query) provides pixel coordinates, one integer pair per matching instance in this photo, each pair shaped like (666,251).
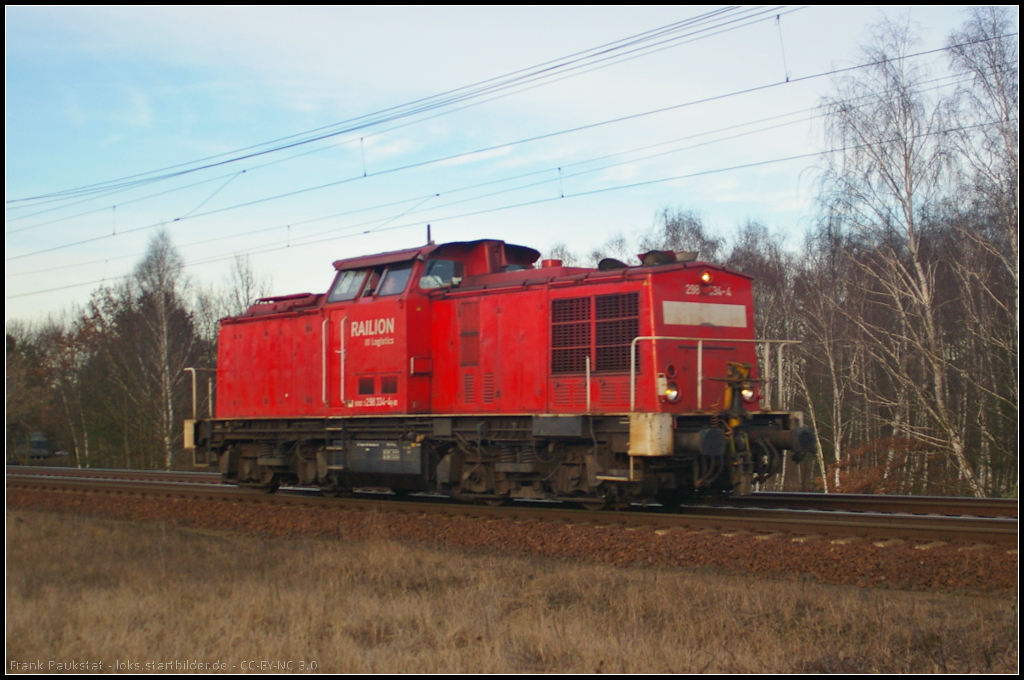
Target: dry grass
(99,590)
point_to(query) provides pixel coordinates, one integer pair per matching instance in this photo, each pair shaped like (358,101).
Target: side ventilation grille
(570,335)
(617,325)
(601,328)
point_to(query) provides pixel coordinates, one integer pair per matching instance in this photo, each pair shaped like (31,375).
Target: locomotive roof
(384,258)
(528,254)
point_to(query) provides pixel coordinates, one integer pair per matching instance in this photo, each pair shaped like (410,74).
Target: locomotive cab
(378,319)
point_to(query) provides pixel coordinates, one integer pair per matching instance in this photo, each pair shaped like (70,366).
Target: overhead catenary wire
(633,185)
(250,233)
(316,150)
(477,198)
(510,80)
(360,139)
(937,83)
(534,138)
(256,251)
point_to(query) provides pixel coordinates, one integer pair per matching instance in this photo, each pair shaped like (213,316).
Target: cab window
(440,273)
(394,279)
(347,285)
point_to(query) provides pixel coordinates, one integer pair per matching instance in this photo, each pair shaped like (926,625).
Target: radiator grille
(602,331)
(570,335)
(571,309)
(617,306)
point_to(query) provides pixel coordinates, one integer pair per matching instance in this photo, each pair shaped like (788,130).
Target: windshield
(347,285)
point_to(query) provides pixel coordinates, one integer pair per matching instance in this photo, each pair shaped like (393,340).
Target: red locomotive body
(466,368)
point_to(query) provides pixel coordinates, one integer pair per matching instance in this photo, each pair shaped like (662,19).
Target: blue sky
(100,94)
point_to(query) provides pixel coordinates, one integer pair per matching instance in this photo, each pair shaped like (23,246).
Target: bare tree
(26,385)
(168,336)
(683,230)
(987,138)
(885,191)
(989,135)
(66,356)
(616,246)
(242,287)
(245,286)
(560,251)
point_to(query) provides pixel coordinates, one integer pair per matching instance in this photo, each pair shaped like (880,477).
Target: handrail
(323,361)
(344,321)
(192,371)
(588,383)
(700,361)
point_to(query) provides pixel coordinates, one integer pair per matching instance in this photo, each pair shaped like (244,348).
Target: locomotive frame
(465,368)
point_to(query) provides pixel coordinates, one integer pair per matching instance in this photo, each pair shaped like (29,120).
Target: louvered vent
(604,335)
(570,335)
(469,333)
(569,394)
(617,325)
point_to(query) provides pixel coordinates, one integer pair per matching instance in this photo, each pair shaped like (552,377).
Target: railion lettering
(373,327)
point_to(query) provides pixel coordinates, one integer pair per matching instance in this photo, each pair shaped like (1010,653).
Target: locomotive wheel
(593,503)
(497,502)
(272,484)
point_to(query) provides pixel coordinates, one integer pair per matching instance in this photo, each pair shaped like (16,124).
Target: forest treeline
(108,384)
(904,293)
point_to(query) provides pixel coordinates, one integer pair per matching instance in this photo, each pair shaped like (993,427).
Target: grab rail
(700,362)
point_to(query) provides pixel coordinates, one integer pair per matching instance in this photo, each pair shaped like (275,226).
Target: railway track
(174,476)
(911,505)
(877,517)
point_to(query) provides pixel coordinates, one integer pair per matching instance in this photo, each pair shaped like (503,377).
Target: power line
(232,175)
(521,205)
(250,233)
(420,164)
(544,70)
(418,223)
(329,146)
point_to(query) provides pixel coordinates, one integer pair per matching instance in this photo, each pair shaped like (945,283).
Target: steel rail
(911,505)
(114,473)
(923,505)
(999,531)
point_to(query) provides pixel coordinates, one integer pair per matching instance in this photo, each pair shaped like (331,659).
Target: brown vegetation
(103,590)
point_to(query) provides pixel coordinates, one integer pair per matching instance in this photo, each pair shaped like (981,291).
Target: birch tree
(168,336)
(885,191)
(987,138)
(881,183)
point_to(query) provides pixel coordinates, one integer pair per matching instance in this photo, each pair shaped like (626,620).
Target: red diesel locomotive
(466,368)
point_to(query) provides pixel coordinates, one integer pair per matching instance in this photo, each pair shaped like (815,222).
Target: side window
(441,273)
(394,279)
(347,285)
(371,285)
